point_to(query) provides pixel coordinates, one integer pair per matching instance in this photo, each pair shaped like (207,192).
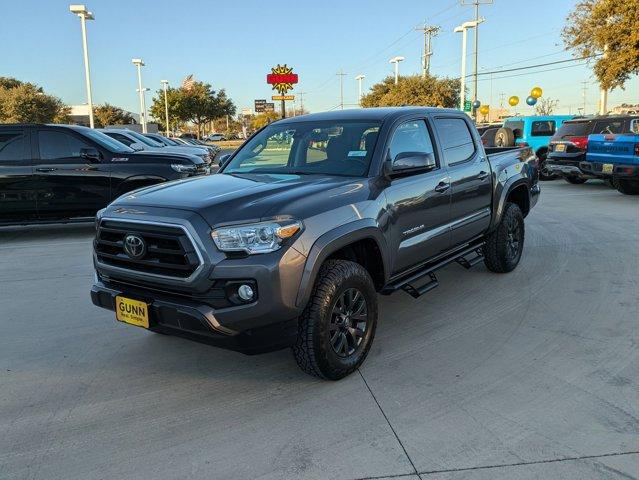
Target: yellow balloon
(536,92)
(484,109)
(514,100)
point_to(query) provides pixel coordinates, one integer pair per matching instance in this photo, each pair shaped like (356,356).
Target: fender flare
(499,206)
(332,241)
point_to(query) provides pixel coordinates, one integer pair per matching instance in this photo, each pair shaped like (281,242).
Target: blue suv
(531,131)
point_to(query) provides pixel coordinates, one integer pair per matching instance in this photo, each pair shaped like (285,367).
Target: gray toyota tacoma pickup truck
(305,224)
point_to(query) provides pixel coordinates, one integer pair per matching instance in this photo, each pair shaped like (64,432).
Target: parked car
(169,142)
(615,157)
(534,132)
(63,172)
(567,148)
(138,141)
(188,135)
(216,137)
(289,245)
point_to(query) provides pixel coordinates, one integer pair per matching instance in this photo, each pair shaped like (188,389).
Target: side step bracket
(416,292)
(470,263)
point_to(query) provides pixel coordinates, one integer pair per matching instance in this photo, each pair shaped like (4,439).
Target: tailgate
(622,148)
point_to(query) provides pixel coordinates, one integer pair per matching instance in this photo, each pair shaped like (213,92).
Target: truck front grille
(155,249)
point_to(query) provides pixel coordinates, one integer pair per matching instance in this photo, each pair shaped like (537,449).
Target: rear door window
(456,140)
(59,145)
(12,146)
(609,126)
(542,128)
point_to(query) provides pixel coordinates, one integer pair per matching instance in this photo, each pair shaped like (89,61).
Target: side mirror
(222,160)
(138,147)
(90,154)
(405,161)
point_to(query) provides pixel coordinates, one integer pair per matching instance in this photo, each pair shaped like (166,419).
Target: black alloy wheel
(348,323)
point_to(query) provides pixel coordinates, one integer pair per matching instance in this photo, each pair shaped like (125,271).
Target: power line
(532,73)
(341,75)
(538,65)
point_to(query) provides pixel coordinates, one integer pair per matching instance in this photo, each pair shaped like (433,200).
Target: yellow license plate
(133,312)
(560,148)
(608,168)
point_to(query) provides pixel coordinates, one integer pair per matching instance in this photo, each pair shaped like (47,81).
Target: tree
(546,106)
(414,90)
(607,28)
(262,119)
(196,103)
(22,102)
(106,114)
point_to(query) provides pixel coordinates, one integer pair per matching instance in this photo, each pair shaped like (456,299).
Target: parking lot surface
(533,374)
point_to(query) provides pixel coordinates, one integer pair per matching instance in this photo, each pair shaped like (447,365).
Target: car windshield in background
(574,129)
(328,148)
(106,141)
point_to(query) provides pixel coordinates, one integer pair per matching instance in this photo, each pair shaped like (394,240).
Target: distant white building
(80,115)
(625,109)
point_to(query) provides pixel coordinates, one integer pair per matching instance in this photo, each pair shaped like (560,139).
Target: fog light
(245,292)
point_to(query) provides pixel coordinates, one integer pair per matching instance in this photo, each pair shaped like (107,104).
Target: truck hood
(231,198)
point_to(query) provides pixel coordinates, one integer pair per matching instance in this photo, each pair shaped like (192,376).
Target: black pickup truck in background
(62,172)
(306,223)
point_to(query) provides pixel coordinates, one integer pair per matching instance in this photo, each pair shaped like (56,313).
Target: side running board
(409,283)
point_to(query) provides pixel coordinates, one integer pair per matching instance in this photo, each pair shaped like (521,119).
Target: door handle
(482,175)
(48,169)
(442,186)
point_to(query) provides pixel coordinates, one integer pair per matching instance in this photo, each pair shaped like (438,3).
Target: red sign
(273,78)
(282,78)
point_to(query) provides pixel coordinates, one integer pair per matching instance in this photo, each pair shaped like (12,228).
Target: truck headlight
(262,237)
(180,168)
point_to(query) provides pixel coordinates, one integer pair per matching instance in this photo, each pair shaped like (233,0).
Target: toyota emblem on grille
(134,246)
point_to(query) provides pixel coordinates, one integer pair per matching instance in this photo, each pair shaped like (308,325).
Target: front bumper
(184,317)
(619,170)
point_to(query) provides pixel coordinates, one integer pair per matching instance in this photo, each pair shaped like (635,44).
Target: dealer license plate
(560,148)
(607,168)
(132,312)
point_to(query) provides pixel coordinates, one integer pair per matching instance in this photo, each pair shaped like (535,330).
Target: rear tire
(575,180)
(504,137)
(338,325)
(504,245)
(544,173)
(610,183)
(627,187)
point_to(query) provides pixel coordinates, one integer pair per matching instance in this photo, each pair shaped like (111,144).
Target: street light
(359,79)
(463,28)
(165,85)
(396,61)
(82,12)
(139,64)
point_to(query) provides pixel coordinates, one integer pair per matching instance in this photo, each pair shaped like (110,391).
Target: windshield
(106,141)
(159,138)
(574,129)
(146,141)
(329,148)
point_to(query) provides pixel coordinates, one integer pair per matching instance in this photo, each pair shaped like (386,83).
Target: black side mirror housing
(223,159)
(90,154)
(411,161)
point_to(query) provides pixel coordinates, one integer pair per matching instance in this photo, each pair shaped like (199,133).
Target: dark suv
(568,146)
(64,172)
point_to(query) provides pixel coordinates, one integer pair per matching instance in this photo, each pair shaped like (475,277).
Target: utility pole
(165,84)
(502,96)
(359,79)
(584,89)
(341,75)
(476,3)
(603,99)
(301,94)
(429,32)
(82,12)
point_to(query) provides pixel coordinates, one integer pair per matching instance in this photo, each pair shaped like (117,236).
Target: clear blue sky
(233,44)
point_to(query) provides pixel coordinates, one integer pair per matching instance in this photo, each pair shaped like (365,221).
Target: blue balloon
(531,100)
(476,104)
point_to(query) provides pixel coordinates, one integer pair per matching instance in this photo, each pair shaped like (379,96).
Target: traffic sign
(468,106)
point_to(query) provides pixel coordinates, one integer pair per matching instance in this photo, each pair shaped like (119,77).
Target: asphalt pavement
(528,375)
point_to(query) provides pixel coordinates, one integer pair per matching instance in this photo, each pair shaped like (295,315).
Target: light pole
(396,61)
(359,79)
(165,85)
(82,12)
(139,64)
(463,28)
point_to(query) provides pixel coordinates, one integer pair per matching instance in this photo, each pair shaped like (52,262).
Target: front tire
(505,244)
(627,187)
(338,325)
